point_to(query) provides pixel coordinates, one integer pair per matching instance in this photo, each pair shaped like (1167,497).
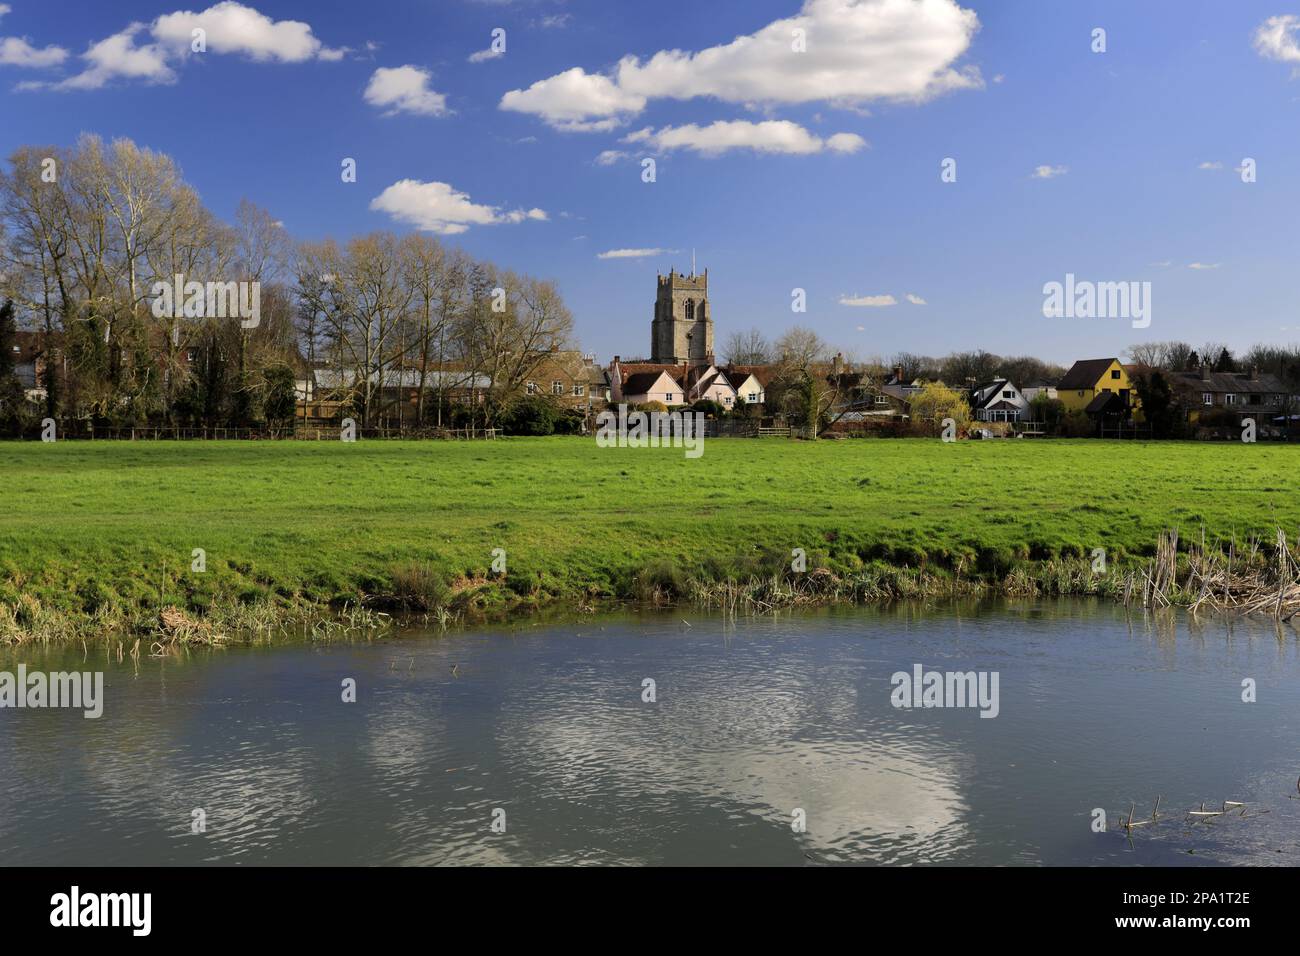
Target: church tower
(682,330)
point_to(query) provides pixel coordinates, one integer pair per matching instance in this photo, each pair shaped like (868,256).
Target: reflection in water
(753,721)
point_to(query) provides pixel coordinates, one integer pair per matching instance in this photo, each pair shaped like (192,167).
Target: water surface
(753,719)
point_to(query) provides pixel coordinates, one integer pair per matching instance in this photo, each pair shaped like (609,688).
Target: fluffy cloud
(480,56)
(16,51)
(234,28)
(771,136)
(915,299)
(1275,38)
(575,101)
(230,28)
(1049,172)
(404,89)
(438,207)
(856,51)
(609,157)
(635,253)
(119,56)
(868,301)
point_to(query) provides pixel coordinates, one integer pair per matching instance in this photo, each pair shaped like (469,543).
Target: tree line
(86,231)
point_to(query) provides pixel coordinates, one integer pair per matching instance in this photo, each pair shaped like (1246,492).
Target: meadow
(92,531)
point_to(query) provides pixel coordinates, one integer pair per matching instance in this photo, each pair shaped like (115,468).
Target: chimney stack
(898,374)
(1205,372)
(1254,373)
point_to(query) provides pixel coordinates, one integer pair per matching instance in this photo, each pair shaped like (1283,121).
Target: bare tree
(747,348)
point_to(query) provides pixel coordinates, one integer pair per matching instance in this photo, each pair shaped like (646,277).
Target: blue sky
(1140,145)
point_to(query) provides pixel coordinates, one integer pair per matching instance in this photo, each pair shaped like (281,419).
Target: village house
(1101,388)
(750,382)
(998,401)
(1247,393)
(567,378)
(1041,387)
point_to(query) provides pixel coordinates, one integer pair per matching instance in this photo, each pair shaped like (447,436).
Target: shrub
(530,415)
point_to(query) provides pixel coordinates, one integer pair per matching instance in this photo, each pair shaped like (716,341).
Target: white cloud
(16,51)
(868,301)
(771,136)
(1275,38)
(118,56)
(1203,265)
(479,56)
(231,27)
(857,51)
(404,89)
(915,299)
(1210,165)
(635,253)
(1049,172)
(575,101)
(609,157)
(438,207)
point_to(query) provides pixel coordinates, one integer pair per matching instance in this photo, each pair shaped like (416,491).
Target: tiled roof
(1085,373)
(1236,382)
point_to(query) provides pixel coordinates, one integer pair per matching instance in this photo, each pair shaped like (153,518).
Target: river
(773,740)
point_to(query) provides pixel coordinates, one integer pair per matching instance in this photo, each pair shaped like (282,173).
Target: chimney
(1254,373)
(835,364)
(1205,372)
(898,374)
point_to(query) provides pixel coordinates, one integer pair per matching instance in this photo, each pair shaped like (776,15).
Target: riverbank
(194,541)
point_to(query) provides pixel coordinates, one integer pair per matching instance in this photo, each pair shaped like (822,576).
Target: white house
(998,401)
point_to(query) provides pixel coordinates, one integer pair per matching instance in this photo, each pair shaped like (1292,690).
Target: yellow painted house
(1099,387)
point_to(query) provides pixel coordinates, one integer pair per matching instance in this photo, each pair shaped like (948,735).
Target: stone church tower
(682,330)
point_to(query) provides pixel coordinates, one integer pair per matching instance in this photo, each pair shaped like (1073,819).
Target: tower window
(690,310)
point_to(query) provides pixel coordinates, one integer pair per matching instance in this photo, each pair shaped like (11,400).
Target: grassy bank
(96,537)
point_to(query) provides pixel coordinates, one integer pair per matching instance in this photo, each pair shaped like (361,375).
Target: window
(1007,393)
(578,389)
(557,388)
(752,397)
(668,397)
(726,400)
(1253,399)
(881,400)
(1207,398)
(1114,373)
(1230,399)
(531,388)
(1081,393)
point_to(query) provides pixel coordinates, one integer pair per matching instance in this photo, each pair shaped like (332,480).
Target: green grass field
(112,525)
